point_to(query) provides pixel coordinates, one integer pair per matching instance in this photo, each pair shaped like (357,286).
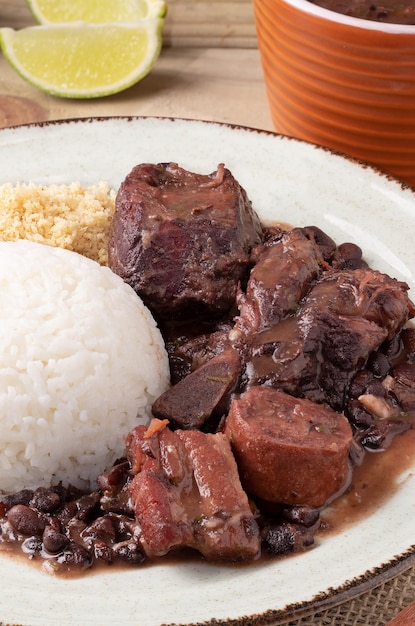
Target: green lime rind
(83,61)
(95,11)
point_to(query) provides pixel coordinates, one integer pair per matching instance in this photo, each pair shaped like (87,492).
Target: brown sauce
(372,484)
(390,11)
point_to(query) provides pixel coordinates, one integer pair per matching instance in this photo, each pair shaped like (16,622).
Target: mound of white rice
(81,362)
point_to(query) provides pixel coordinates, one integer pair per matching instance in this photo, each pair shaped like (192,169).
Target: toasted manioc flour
(73,217)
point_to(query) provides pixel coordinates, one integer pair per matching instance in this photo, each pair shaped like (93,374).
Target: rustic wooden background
(189,23)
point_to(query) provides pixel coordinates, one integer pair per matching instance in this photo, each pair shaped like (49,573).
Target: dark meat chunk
(182,240)
(192,344)
(187,493)
(278,281)
(288,450)
(344,318)
(203,394)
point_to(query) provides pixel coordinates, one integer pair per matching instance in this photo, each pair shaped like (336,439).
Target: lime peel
(78,60)
(95,11)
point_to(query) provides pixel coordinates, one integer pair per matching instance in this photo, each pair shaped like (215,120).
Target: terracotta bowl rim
(354,22)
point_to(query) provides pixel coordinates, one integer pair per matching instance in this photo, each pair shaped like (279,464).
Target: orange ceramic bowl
(341,82)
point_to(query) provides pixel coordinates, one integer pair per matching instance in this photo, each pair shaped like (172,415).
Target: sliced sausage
(288,450)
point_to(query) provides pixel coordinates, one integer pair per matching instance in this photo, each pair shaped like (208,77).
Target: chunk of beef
(344,318)
(278,281)
(288,450)
(186,492)
(203,394)
(182,240)
(192,344)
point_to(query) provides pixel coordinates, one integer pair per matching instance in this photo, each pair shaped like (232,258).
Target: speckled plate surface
(288,181)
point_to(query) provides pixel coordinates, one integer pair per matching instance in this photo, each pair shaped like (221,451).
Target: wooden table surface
(209,69)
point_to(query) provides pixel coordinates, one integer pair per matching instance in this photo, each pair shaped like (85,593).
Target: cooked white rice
(81,362)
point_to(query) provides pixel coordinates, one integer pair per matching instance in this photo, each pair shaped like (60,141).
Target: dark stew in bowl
(391,11)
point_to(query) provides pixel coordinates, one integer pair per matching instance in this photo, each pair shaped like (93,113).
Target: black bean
(66,512)
(380,436)
(358,415)
(87,505)
(349,251)
(74,529)
(378,364)
(20,497)
(326,244)
(392,347)
(32,545)
(128,552)
(305,515)
(125,527)
(360,383)
(45,500)
(119,502)
(26,521)
(115,477)
(102,529)
(376,388)
(63,492)
(53,541)
(285,538)
(102,552)
(75,554)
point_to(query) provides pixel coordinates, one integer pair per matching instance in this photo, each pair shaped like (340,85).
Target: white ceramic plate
(289,181)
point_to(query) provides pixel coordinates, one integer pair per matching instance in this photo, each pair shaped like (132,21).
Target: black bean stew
(290,361)
(391,11)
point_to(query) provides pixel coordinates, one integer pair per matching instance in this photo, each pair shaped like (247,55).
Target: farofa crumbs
(71,216)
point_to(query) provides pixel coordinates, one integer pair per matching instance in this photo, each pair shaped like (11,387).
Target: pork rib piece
(182,240)
(186,492)
(344,317)
(288,450)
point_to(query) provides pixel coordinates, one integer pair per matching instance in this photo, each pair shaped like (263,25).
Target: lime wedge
(95,11)
(78,60)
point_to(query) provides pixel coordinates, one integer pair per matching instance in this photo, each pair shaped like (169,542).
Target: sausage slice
(289,450)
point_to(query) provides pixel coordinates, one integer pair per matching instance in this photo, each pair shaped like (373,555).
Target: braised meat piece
(288,450)
(182,240)
(186,492)
(278,281)
(194,343)
(345,316)
(203,394)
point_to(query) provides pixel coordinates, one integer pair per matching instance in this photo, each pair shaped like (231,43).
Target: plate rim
(371,578)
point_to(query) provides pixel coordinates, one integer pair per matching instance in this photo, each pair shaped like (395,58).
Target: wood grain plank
(189,23)
(404,618)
